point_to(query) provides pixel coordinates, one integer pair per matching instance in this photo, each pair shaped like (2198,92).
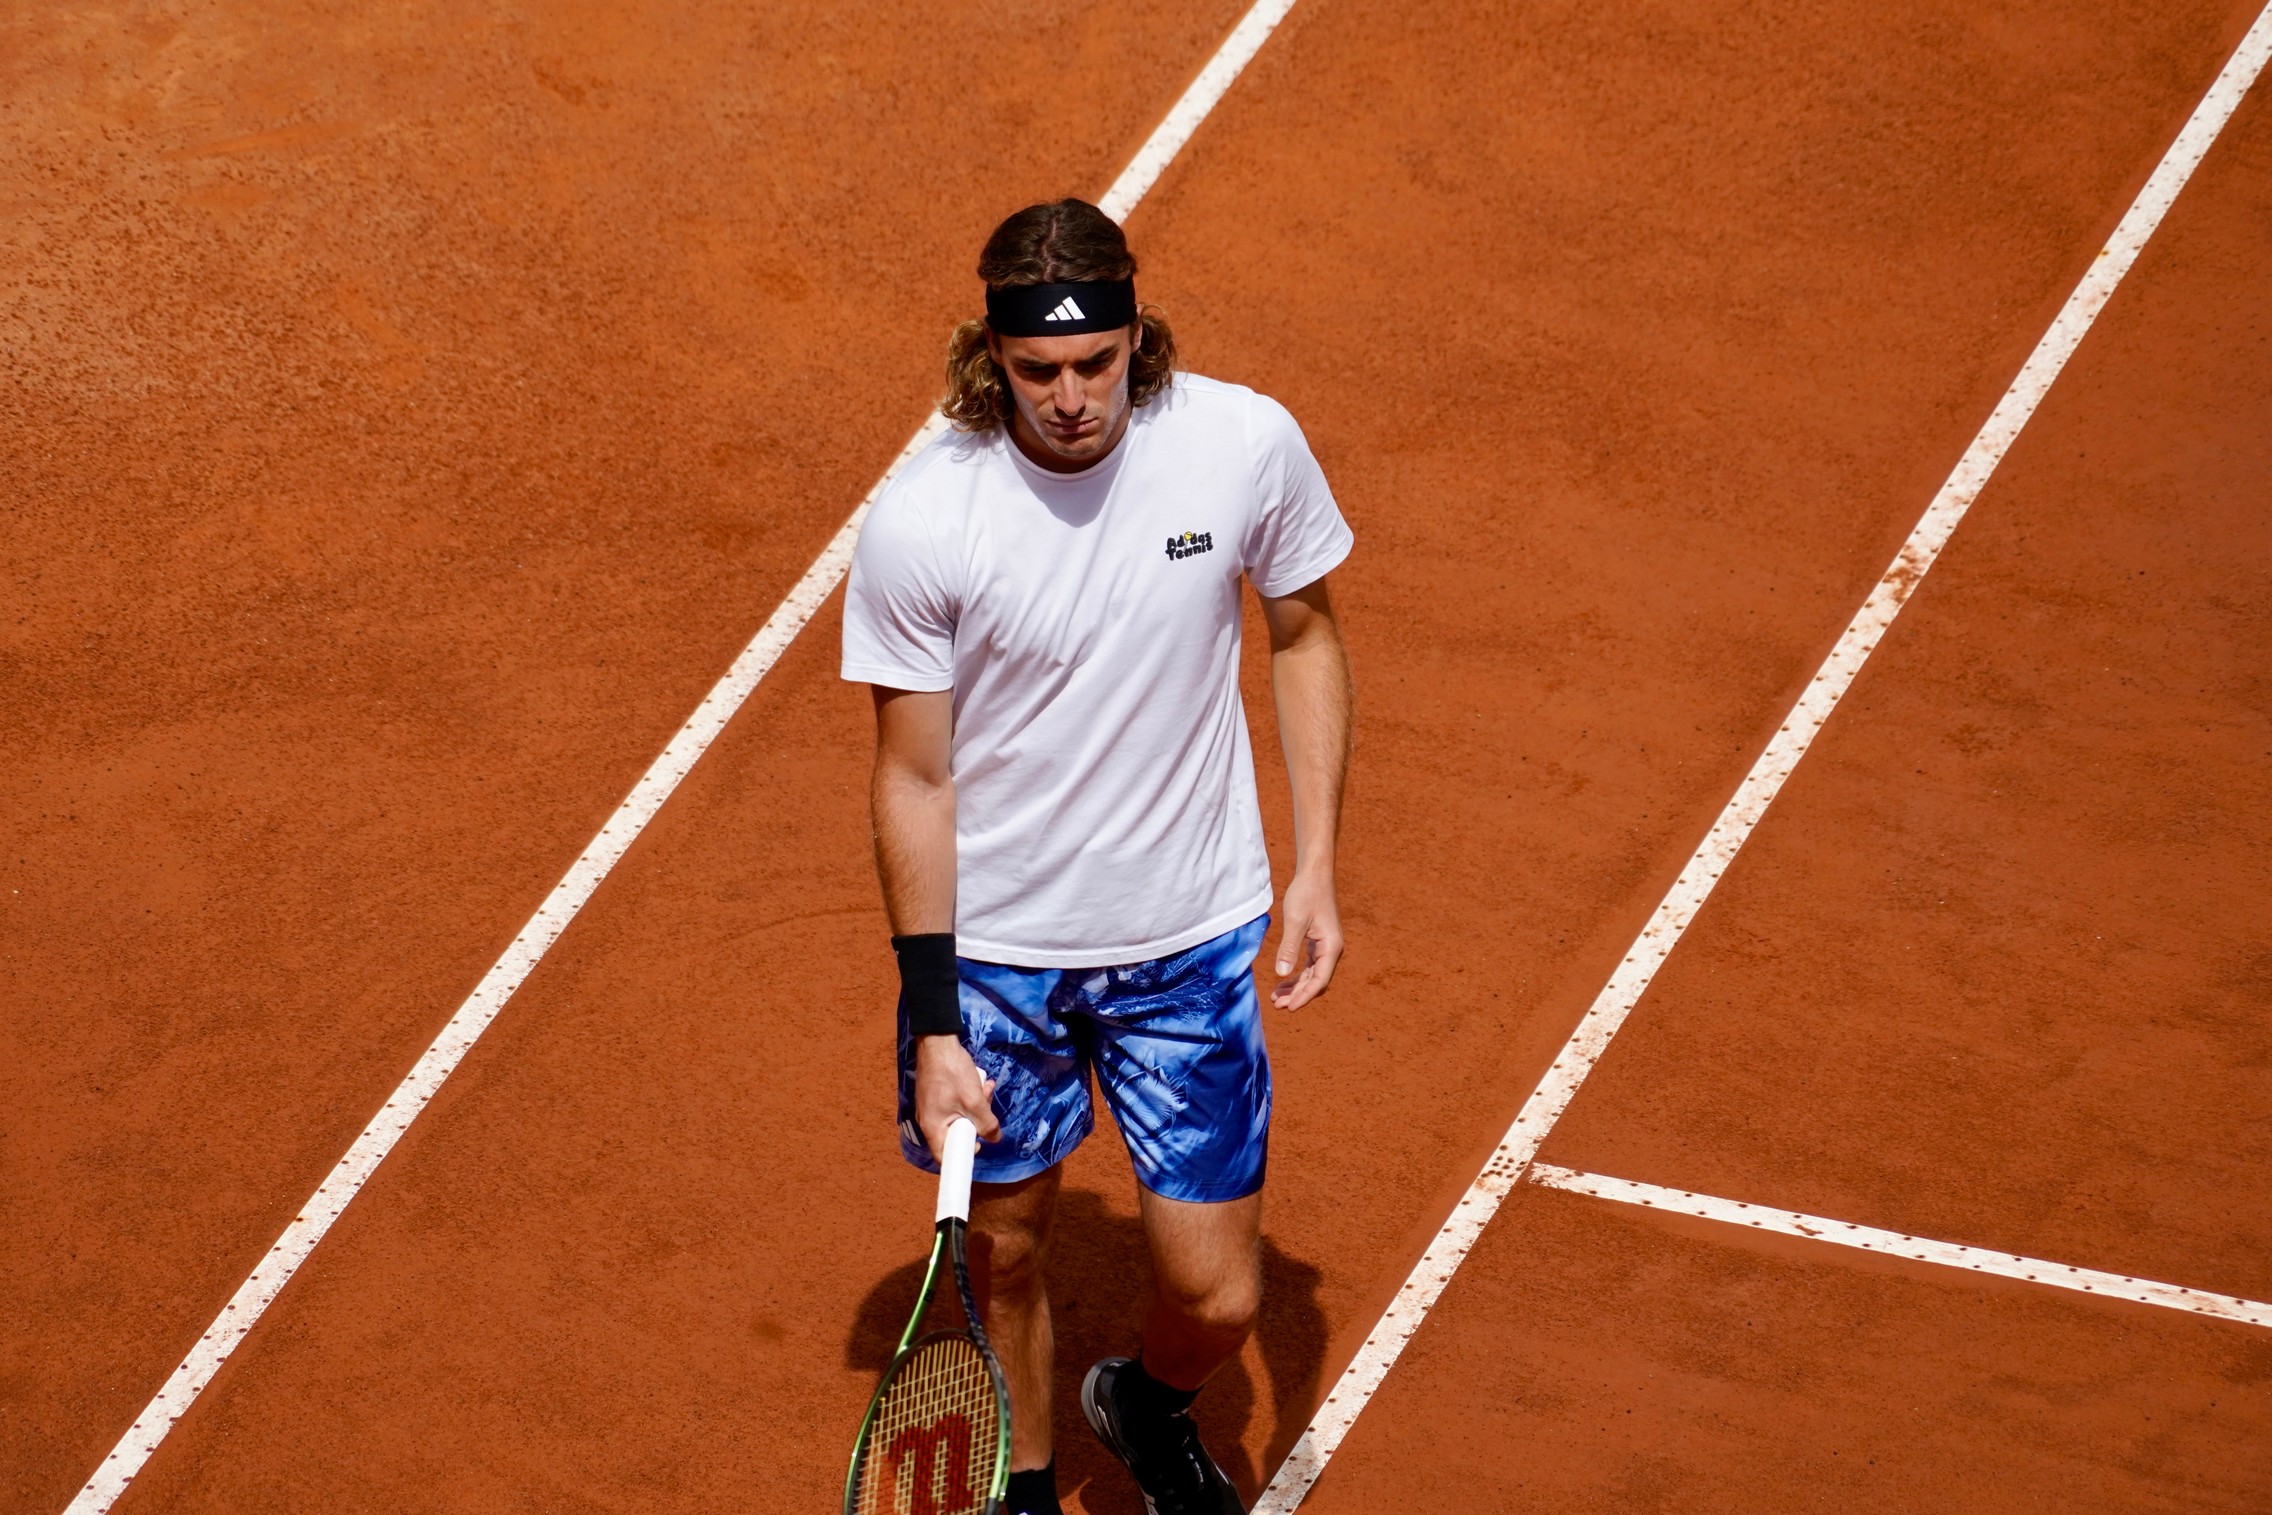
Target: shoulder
(1196,389)
(1196,403)
(930,495)
(1260,419)
(943,469)
(1195,397)
(909,536)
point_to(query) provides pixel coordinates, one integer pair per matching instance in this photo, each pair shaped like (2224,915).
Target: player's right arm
(911,799)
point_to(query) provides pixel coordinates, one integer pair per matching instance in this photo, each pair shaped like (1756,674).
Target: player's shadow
(1099,1277)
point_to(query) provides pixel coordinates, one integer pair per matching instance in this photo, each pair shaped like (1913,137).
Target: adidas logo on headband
(1061,310)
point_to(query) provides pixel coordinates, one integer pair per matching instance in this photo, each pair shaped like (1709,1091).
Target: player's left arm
(1309,677)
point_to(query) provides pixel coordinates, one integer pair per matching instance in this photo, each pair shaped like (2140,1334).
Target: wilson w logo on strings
(920,1470)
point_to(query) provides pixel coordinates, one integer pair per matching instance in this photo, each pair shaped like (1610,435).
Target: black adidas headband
(1061,310)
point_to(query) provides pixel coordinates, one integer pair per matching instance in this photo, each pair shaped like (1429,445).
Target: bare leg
(1009,1244)
(1206,1284)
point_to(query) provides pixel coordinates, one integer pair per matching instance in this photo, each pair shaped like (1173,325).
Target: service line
(570,895)
(1425,1284)
(1948,1254)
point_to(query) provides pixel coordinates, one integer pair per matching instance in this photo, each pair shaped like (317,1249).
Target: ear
(993,347)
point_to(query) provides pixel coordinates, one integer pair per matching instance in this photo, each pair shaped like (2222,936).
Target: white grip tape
(954,1169)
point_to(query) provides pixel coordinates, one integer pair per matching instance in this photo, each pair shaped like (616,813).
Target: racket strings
(931,1449)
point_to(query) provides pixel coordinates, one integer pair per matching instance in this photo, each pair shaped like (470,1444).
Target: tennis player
(1046,602)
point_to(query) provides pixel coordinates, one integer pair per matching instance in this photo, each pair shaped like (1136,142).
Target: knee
(1221,1309)
(1013,1264)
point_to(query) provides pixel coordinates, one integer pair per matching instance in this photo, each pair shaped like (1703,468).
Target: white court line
(1948,1254)
(1425,1284)
(258,1291)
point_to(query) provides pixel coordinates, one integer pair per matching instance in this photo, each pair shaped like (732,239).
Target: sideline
(425,1079)
(1948,1254)
(1346,1400)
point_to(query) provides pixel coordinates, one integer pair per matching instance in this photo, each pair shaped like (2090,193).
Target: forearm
(915,850)
(915,861)
(1311,684)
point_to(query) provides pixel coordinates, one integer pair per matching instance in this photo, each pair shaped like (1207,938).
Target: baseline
(568,897)
(1948,1254)
(1425,1284)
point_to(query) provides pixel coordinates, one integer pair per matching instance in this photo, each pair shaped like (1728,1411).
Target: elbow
(913,788)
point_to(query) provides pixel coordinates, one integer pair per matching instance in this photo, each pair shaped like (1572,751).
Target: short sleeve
(899,611)
(1298,535)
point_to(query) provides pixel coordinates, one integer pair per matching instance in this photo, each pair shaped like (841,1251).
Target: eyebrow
(1102,354)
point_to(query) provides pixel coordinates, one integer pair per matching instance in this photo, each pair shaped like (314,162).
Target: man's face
(1071,392)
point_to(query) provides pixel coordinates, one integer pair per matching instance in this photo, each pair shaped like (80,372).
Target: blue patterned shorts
(1177,1047)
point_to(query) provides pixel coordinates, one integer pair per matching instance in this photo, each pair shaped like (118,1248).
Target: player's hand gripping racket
(937,1437)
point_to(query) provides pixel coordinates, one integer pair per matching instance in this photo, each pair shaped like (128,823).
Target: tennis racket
(936,1440)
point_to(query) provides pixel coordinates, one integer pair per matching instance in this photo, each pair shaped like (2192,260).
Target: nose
(1067,394)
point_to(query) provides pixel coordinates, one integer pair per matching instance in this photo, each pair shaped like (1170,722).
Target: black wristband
(929,986)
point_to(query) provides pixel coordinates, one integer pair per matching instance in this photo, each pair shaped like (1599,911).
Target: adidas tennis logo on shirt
(1191,544)
(1066,311)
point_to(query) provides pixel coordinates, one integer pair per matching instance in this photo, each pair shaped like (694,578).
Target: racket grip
(954,1169)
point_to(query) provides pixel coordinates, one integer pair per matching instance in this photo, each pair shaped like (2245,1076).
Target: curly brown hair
(1062,242)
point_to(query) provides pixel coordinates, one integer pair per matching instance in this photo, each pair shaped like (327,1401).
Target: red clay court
(1806,1042)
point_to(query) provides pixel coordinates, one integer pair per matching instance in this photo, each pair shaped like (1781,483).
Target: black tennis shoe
(1161,1450)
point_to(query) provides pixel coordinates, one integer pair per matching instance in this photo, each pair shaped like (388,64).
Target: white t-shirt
(1088,625)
